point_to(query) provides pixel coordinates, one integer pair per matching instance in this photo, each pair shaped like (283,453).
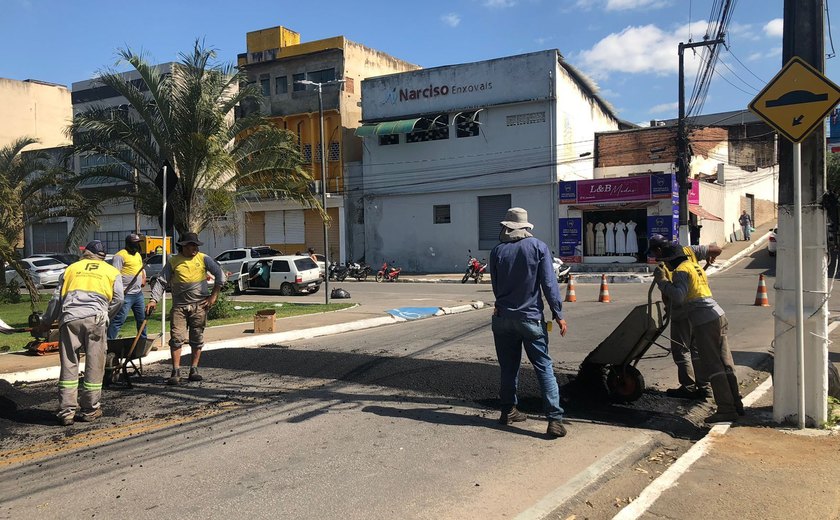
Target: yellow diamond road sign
(796,100)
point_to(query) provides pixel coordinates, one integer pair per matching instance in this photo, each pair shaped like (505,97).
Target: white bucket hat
(516,218)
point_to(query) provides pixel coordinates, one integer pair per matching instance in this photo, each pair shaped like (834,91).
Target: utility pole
(803,37)
(683,158)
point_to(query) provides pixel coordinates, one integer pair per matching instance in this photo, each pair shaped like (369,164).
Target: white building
(449,149)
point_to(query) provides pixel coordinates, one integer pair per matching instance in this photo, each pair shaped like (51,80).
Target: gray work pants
(689,368)
(710,340)
(88,333)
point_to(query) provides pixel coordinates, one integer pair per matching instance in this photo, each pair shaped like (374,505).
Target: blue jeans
(137,305)
(510,335)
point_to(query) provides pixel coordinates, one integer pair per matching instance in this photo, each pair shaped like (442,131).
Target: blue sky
(629,47)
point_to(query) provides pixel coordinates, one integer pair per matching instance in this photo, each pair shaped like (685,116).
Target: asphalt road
(397,421)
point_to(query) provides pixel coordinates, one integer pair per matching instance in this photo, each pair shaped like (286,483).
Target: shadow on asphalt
(257,377)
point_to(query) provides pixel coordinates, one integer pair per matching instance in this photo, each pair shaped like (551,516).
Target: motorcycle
(359,270)
(338,271)
(475,269)
(562,271)
(388,273)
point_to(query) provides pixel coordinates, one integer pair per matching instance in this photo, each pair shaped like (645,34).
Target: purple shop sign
(608,190)
(694,192)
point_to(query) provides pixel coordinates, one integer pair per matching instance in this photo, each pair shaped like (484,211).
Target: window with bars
(466,125)
(321,76)
(334,151)
(265,84)
(441,214)
(281,85)
(307,153)
(387,139)
(432,128)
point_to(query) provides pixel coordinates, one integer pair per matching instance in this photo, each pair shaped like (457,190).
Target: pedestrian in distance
(693,382)
(746,224)
(521,273)
(129,263)
(688,288)
(186,274)
(311,253)
(88,293)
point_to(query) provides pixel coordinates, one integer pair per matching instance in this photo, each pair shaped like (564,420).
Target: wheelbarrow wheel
(625,383)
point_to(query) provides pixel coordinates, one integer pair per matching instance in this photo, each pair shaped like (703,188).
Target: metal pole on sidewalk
(162,265)
(797,267)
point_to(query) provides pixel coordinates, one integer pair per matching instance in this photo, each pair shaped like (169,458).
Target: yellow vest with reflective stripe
(698,283)
(188,270)
(94,276)
(689,252)
(132,264)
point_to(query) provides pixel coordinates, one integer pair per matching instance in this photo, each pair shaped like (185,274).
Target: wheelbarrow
(611,368)
(124,353)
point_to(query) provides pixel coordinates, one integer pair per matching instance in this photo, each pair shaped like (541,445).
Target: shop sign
(694,192)
(571,239)
(665,225)
(662,185)
(568,192)
(621,189)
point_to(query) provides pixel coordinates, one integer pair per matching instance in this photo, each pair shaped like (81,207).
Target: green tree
(23,200)
(184,118)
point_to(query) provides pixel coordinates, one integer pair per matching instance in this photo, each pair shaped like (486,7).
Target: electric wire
(830,39)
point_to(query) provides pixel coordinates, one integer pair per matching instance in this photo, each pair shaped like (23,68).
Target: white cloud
(755,56)
(664,107)
(542,40)
(626,5)
(451,19)
(641,50)
(774,28)
(499,3)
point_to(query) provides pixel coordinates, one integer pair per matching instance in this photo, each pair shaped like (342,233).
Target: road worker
(129,263)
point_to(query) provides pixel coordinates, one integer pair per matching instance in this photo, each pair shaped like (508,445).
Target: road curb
(729,262)
(46,373)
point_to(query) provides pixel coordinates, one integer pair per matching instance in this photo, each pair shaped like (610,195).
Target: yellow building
(32,108)
(278,62)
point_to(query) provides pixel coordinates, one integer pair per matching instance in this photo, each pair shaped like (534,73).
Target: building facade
(278,62)
(37,109)
(449,149)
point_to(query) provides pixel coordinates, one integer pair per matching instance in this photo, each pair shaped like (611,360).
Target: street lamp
(323,179)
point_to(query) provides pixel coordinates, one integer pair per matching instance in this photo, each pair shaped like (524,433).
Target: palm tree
(185,118)
(23,200)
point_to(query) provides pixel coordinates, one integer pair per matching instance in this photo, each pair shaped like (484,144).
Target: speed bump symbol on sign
(797,100)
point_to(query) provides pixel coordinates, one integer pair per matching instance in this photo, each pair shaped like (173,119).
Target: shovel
(6,329)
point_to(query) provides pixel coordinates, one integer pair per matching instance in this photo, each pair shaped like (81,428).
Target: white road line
(585,478)
(667,479)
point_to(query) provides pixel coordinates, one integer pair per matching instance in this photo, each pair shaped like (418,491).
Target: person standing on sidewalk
(186,273)
(693,383)
(746,224)
(688,288)
(129,263)
(520,268)
(89,291)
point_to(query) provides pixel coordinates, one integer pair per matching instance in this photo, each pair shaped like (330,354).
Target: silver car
(44,272)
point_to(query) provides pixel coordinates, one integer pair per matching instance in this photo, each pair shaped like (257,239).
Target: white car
(771,242)
(289,274)
(43,271)
(231,260)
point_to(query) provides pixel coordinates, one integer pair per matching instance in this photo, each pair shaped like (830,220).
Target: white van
(288,274)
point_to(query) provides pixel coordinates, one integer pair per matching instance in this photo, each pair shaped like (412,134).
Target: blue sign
(662,185)
(568,192)
(665,225)
(571,237)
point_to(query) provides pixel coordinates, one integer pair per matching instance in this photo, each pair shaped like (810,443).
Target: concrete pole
(803,37)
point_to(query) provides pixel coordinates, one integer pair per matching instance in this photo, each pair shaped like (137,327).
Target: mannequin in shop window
(610,246)
(589,248)
(619,238)
(632,242)
(599,239)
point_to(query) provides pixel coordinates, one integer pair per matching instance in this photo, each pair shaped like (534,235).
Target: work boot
(194,375)
(739,407)
(90,416)
(174,378)
(721,417)
(511,416)
(687,393)
(65,419)
(556,428)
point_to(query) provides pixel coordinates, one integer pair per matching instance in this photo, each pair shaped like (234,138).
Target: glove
(659,275)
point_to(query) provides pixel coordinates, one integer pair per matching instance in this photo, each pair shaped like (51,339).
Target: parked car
(233,259)
(771,242)
(289,274)
(321,260)
(43,271)
(154,264)
(65,258)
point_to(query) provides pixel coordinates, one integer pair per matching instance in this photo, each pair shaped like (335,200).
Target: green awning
(366,130)
(402,126)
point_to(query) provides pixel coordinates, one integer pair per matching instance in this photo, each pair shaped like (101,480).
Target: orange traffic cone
(761,294)
(604,297)
(570,290)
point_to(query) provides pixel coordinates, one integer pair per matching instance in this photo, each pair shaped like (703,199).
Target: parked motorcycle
(475,269)
(359,270)
(388,273)
(338,271)
(562,270)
